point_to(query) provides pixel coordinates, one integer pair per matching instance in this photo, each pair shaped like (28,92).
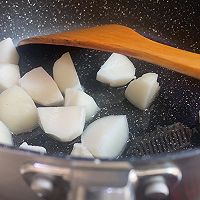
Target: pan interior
(172,119)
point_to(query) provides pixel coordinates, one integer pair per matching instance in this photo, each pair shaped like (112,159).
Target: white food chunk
(64,73)
(118,70)
(75,97)
(17,110)
(62,123)
(142,91)
(79,150)
(8,52)
(199,116)
(106,137)
(5,135)
(150,76)
(26,146)
(9,76)
(41,87)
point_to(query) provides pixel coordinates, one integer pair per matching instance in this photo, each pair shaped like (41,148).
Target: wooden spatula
(121,39)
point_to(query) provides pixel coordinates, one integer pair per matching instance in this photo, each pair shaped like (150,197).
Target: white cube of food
(17,110)
(8,52)
(9,76)
(106,137)
(79,150)
(118,70)
(150,76)
(75,97)
(199,116)
(64,73)
(62,123)
(5,135)
(142,91)
(41,87)
(26,146)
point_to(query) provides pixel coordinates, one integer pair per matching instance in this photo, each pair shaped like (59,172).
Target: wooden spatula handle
(117,38)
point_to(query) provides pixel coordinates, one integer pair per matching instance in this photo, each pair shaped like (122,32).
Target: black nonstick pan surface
(171,124)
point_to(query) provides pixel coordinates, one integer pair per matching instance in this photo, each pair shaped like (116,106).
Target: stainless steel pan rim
(135,160)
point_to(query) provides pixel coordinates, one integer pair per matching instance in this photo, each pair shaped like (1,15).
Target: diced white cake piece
(74,97)
(9,53)
(118,70)
(26,146)
(41,87)
(142,91)
(5,135)
(17,110)
(79,150)
(62,123)
(106,137)
(9,76)
(64,73)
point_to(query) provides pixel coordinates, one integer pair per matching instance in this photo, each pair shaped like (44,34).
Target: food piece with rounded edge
(64,73)
(142,91)
(5,135)
(106,137)
(17,110)
(26,146)
(62,123)
(75,97)
(41,87)
(9,53)
(117,71)
(79,150)
(9,76)
(199,116)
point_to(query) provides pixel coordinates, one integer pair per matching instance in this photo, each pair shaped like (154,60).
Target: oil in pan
(173,114)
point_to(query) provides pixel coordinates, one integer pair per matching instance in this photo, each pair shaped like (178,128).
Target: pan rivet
(42,186)
(157,189)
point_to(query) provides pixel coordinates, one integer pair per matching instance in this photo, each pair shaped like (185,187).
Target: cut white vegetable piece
(142,91)
(8,52)
(64,73)
(106,137)
(26,146)
(199,116)
(17,110)
(75,97)
(118,70)
(62,123)
(150,76)
(79,150)
(9,76)
(41,87)
(5,135)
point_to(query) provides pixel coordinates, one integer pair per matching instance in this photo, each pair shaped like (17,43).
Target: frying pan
(163,147)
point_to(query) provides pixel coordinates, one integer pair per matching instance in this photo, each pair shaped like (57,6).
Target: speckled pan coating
(174,23)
